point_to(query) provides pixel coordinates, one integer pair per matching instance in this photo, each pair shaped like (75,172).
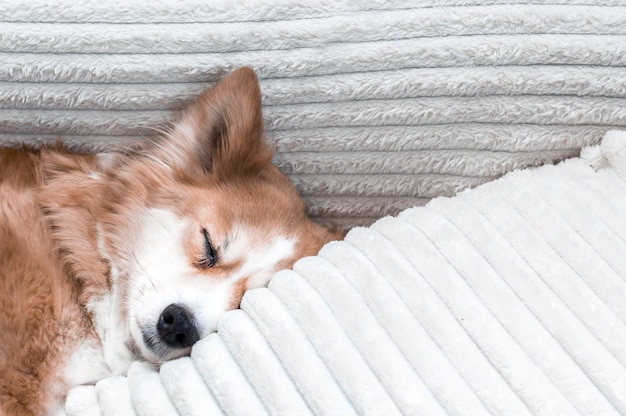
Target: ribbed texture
(458,89)
(507,299)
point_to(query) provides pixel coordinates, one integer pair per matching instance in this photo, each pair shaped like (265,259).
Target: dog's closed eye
(210,256)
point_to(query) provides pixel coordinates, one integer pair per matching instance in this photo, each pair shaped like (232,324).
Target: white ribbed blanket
(374,105)
(508,299)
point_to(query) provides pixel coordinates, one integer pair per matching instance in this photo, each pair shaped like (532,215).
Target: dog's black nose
(176,327)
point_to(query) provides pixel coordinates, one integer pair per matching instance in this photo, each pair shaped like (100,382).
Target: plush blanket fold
(459,92)
(506,299)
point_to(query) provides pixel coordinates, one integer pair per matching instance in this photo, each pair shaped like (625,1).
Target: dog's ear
(221,133)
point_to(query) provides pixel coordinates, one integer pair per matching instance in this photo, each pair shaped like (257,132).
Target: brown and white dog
(105,260)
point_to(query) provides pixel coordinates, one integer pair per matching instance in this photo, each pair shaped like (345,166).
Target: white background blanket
(507,299)
(374,105)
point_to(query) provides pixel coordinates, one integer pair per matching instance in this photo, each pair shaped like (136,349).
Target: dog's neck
(111,353)
(109,323)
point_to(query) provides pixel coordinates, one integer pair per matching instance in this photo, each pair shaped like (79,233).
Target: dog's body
(108,260)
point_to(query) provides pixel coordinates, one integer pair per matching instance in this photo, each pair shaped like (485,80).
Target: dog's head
(196,220)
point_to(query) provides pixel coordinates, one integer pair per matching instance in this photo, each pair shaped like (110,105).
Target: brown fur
(40,313)
(214,166)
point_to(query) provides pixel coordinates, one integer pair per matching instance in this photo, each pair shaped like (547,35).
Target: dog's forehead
(231,207)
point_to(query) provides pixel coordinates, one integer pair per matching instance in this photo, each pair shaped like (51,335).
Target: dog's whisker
(145,272)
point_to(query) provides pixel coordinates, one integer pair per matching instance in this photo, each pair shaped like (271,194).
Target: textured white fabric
(507,299)
(374,106)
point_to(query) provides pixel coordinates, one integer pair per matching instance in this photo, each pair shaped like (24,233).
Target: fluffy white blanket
(374,105)
(507,299)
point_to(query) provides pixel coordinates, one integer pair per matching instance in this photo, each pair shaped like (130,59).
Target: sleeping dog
(109,259)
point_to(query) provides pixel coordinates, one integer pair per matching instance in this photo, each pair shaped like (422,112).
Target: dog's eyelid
(210,255)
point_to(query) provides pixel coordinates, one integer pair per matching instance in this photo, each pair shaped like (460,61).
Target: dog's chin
(157,351)
(151,348)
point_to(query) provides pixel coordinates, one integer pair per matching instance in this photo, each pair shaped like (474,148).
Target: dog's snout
(176,327)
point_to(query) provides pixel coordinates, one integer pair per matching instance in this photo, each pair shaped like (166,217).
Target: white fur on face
(259,258)
(162,274)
